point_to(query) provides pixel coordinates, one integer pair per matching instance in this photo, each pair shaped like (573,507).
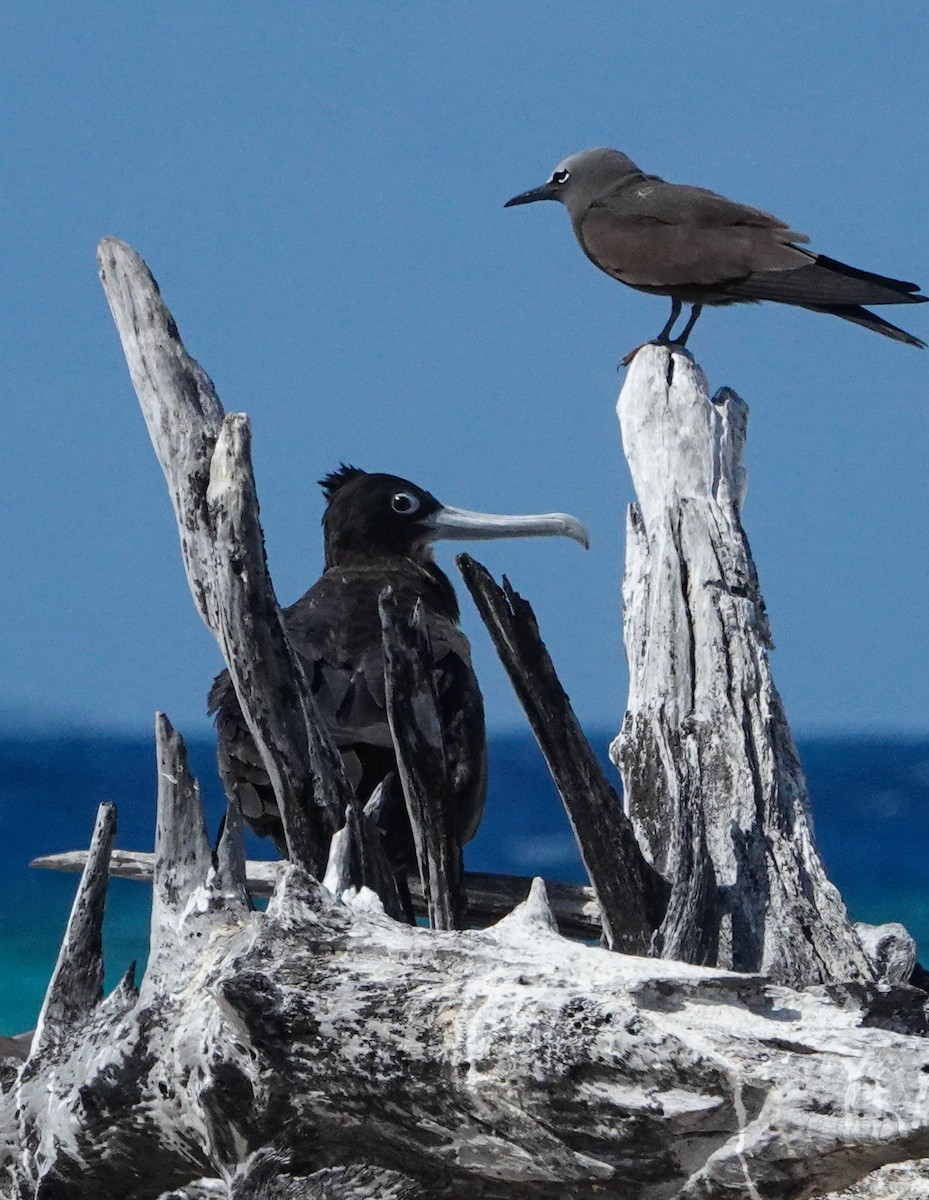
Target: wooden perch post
(711,778)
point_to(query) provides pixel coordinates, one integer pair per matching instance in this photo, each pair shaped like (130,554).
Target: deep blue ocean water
(870,805)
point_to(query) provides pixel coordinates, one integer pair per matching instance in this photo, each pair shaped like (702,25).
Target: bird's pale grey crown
(581,179)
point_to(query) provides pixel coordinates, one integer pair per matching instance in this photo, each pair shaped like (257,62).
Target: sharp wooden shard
(182,849)
(180,406)
(76,986)
(416,729)
(304,767)
(230,878)
(207,467)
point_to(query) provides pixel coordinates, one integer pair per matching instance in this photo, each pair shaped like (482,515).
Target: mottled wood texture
(711,777)
(206,460)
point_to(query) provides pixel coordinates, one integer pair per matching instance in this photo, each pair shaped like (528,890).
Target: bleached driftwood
(416,730)
(323,1049)
(711,777)
(507,1062)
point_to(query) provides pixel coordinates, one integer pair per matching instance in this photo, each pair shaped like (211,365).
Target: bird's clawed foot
(674,344)
(664,338)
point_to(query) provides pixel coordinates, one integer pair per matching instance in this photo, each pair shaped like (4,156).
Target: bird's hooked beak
(457,524)
(548,191)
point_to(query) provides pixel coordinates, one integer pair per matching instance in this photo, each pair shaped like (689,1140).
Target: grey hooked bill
(458,524)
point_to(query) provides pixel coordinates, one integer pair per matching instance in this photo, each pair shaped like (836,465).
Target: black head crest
(338,479)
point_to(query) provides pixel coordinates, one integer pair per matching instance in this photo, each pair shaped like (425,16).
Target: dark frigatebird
(379,531)
(700,248)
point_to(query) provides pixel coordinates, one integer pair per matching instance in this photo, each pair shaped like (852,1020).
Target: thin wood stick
(412,710)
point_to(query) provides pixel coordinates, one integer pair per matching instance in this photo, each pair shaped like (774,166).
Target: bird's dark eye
(561,177)
(404,503)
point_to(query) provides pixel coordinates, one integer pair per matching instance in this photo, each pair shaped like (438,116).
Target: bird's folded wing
(656,234)
(654,201)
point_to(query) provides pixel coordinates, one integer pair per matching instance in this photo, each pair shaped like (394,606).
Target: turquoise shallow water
(870,803)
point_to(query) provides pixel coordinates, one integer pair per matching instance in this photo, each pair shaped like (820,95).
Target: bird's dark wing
(652,234)
(826,281)
(335,629)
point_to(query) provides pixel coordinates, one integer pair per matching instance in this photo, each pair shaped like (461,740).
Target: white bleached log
(711,776)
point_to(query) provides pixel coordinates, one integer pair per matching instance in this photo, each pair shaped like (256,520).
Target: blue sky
(319,191)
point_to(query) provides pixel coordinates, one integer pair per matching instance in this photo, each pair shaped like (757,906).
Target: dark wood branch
(412,709)
(632,896)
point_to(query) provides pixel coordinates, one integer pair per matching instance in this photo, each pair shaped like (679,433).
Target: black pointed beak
(545,192)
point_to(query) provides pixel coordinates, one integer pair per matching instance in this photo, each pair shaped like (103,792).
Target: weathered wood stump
(711,777)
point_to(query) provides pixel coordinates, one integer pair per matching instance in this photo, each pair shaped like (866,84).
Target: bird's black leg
(665,335)
(695,312)
(663,338)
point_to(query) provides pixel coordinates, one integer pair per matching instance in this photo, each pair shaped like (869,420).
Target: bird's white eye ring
(404,503)
(561,177)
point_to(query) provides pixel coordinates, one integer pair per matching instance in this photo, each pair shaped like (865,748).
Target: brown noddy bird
(379,531)
(700,248)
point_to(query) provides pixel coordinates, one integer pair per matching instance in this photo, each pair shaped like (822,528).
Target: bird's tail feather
(870,320)
(826,281)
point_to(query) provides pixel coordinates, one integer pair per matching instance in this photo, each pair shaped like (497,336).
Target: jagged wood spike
(532,917)
(631,894)
(182,850)
(230,879)
(180,406)
(303,764)
(184,418)
(338,876)
(416,729)
(705,735)
(76,986)
(349,865)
